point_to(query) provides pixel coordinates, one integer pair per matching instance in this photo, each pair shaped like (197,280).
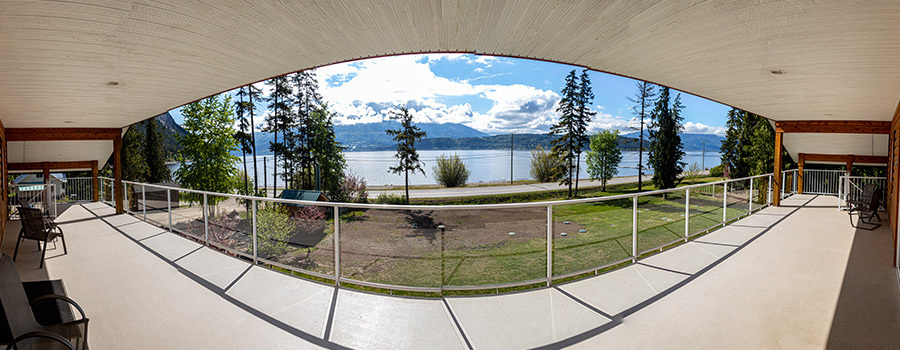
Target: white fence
(852,188)
(41,196)
(825,182)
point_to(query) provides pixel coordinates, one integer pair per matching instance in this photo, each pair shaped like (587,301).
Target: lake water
(484,165)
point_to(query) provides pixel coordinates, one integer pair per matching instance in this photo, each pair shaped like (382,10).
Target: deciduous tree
(604,156)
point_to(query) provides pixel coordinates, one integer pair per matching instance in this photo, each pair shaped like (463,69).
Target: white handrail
(708,189)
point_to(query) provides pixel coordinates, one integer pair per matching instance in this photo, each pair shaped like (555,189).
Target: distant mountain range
(447,136)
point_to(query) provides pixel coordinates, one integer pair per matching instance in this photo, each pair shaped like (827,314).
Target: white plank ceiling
(107,63)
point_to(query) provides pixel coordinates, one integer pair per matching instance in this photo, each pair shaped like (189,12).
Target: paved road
(488,190)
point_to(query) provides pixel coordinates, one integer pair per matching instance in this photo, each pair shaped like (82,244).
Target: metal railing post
(687,214)
(206,219)
(549,244)
(144,200)
(725,204)
(255,257)
(169,206)
(769,179)
(337,246)
(634,229)
(750,197)
(783,185)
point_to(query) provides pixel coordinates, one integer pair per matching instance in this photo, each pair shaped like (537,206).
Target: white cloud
(366,91)
(699,128)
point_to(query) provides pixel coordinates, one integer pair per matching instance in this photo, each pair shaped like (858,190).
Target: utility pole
(511,136)
(703,162)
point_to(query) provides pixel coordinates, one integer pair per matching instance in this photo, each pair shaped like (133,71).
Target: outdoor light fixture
(112,83)
(777,71)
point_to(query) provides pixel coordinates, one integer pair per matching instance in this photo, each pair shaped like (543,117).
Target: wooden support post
(95,175)
(776,189)
(117,186)
(800,164)
(46,172)
(850,165)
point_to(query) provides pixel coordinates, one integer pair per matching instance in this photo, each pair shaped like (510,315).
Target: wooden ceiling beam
(843,158)
(834,126)
(62,134)
(39,166)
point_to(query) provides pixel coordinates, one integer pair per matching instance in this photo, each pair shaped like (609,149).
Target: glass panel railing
(230,224)
(297,236)
(387,246)
(494,246)
(187,214)
(738,201)
(157,209)
(660,220)
(591,235)
(706,208)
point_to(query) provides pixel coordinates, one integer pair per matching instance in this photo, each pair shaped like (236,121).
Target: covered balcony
(795,276)
(75,74)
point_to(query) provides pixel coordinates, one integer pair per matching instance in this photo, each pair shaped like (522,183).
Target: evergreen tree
(406,136)
(565,146)
(157,171)
(583,115)
(643,100)
(243,135)
(307,101)
(248,107)
(604,156)
(327,153)
(134,167)
(748,146)
(666,150)
(207,162)
(278,120)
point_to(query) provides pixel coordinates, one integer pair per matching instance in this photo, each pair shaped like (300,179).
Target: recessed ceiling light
(829,114)
(777,71)
(112,83)
(67,122)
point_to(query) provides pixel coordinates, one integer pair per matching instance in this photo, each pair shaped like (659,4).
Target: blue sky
(491,94)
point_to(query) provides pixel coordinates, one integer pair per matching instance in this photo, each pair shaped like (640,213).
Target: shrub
(352,190)
(717,171)
(390,198)
(273,228)
(450,171)
(692,172)
(544,166)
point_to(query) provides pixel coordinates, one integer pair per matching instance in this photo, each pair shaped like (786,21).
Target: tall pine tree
(243,135)
(406,136)
(666,150)
(306,100)
(277,121)
(246,136)
(565,145)
(327,153)
(583,115)
(643,100)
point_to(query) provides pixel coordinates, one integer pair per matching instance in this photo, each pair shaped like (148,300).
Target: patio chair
(26,331)
(867,207)
(38,228)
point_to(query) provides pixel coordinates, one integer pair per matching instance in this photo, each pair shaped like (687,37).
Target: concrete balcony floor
(797,276)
